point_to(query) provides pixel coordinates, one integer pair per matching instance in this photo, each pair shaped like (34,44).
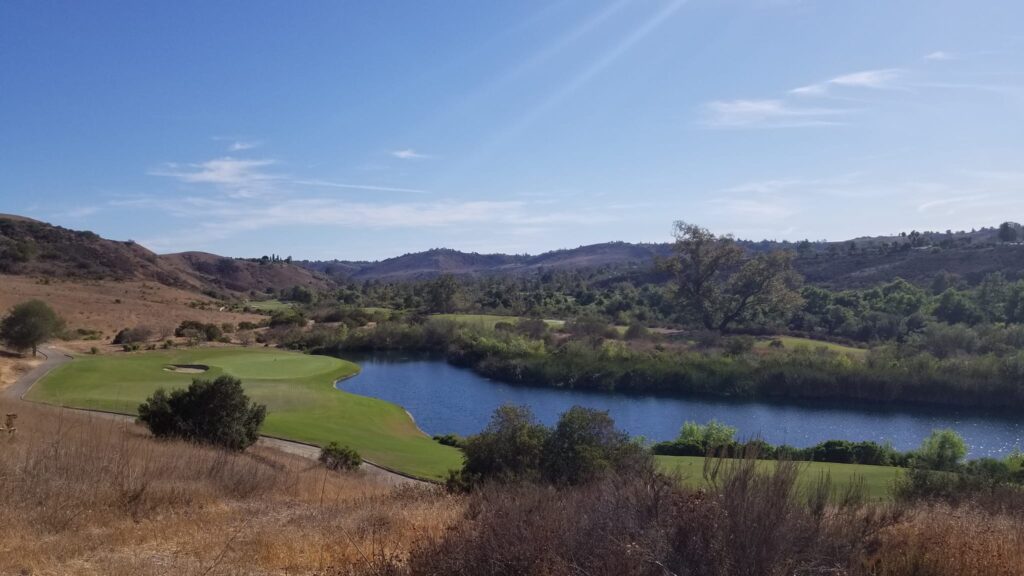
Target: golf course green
(298,389)
(877,481)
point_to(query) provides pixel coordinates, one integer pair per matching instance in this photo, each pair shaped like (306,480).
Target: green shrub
(941,450)
(510,447)
(453,440)
(337,457)
(584,445)
(216,412)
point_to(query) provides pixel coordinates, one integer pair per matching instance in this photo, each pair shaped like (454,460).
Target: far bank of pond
(447,399)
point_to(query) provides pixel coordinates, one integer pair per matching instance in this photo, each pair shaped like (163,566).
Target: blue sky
(362,130)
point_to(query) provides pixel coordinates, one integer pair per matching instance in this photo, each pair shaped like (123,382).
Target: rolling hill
(916,257)
(32,248)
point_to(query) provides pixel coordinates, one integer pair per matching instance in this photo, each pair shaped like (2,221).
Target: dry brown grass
(93,304)
(12,367)
(89,495)
(944,541)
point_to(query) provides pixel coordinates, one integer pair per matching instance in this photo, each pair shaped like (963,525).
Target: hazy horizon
(366,131)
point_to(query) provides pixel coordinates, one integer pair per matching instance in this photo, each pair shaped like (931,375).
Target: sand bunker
(186,368)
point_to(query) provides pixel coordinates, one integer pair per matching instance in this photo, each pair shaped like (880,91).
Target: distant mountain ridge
(431,263)
(32,248)
(916,256)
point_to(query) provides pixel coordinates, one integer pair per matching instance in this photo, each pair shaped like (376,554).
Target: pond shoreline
(839,404)
(445,398)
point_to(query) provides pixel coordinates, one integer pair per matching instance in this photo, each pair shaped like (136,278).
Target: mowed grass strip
(794,342)
(878,481)
(269,306)
(489,320)
(298,389)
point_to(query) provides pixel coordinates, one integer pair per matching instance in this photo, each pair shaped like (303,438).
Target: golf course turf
(877,481)
(303,405)
(298,389)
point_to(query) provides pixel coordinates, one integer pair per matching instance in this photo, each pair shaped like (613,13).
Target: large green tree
(30,324)
(719,284)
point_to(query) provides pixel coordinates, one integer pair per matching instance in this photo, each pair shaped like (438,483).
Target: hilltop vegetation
(32,248)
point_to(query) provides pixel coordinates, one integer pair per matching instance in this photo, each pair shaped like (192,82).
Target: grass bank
(298,389)
(877,480)
(795,342)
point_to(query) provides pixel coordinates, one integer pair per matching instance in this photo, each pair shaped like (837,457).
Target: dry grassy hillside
(38,249)
(109,306)
(91,496)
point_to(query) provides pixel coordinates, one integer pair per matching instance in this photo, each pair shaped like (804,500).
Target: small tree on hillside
(215,412)
(30,324)
(1008,232)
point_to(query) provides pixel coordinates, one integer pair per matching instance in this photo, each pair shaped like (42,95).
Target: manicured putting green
(298,389)
(878,481)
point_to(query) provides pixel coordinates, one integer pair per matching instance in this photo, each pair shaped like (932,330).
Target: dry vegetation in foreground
(87,495)
(109,306)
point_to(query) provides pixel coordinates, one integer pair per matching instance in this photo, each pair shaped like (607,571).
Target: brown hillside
(110,305)
(32,248)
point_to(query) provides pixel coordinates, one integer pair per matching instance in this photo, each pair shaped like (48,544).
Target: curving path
(55,358)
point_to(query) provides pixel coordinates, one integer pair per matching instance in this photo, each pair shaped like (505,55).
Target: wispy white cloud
(945,202)
(869,79)
(227,171)
(768,114)
(283,200)
(79,212)
(240,145)
(245,178)
(768,209)
(328,184)
(763,186)
(939,56)
(409,154)
(225,218)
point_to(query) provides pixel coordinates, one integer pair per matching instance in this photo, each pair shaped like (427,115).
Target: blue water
(445,399)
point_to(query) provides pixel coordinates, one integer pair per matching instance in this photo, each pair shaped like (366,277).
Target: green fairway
(878,480)
(794,342)
(298,389)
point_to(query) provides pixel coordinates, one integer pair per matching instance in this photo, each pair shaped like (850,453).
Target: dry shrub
(613,526)
(753,522)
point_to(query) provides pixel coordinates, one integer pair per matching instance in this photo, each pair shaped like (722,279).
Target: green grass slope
(878,480)
(298,389)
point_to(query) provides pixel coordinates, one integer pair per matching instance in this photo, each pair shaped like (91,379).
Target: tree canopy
(30,324)
(720,285)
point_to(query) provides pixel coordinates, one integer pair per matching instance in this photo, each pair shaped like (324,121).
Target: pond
(445,399)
